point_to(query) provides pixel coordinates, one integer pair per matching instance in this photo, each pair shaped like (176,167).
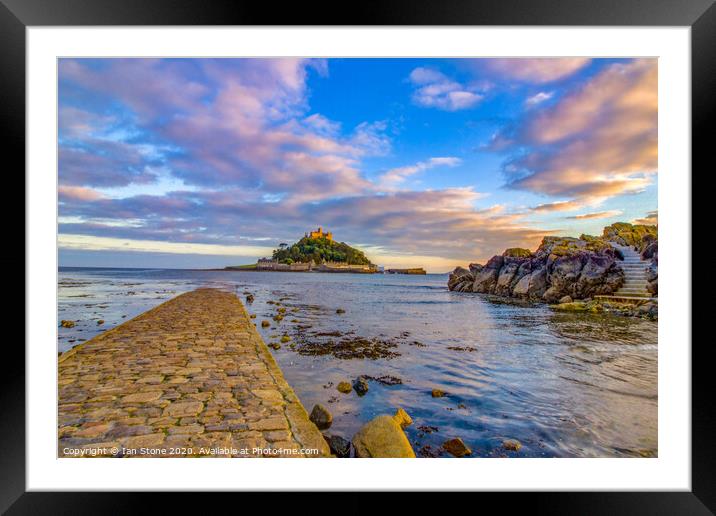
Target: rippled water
(564,385)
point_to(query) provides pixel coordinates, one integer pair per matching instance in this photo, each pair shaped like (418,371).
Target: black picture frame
(17,15)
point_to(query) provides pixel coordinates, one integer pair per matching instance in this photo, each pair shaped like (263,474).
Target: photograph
(357,257)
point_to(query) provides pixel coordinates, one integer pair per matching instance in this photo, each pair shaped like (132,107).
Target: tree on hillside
(320,250)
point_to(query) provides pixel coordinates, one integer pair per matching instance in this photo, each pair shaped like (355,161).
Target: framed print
(426,238)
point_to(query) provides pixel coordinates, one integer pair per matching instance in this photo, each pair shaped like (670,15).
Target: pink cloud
(536,70)
(596,215)
(598,141)
(79,193)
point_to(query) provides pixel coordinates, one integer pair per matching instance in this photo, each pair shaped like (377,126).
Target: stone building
(320,234)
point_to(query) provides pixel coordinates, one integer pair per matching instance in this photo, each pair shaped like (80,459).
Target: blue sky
(432,162)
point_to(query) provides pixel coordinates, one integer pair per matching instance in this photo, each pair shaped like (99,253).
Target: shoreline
(325,346)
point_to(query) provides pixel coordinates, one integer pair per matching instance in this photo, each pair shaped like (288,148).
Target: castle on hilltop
(320,234)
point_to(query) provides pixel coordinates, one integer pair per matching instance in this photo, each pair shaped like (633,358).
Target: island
(317,251)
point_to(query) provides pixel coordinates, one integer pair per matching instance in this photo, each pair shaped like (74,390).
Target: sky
(197,163)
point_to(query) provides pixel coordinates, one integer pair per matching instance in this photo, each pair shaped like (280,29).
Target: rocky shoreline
(565,270)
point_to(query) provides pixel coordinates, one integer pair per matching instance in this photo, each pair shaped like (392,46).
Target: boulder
(461,279)
(565,299)
(537,282)
(486,279)
(650,251)
(402,418)
(511,444)
(456,447)
(504,284)
(382,437)
(321,417)
(517,252)
(360,385)
(437,393)
(475,267)
(599,275)
(564,272)
(344,387)
(339,446)
(522,286)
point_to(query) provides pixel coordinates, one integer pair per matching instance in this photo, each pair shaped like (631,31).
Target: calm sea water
(564,385)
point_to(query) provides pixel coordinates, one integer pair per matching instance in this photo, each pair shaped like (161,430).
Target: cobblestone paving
(191,377)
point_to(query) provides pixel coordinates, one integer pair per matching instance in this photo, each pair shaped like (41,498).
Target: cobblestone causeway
(191,377)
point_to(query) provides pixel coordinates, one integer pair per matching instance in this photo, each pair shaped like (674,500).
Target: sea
(562,384)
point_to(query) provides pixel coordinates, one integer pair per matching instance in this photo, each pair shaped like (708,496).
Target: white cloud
(539,98)
(438,91)
(395,176)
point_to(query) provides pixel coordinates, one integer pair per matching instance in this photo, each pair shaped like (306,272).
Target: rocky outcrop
(638,236)
(575,267)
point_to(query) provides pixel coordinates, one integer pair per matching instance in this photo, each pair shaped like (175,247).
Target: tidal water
(564,385)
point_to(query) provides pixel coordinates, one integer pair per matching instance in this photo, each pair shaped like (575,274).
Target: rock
(344,387)
(649,310)
(252,316)
(382,437)
(321,417)
(599,275)
(339,446)
(265,323)
(486,279)
(461,279)
(562,276)
(511,444)
(340,311)
(360,385)
(275,345)
(402,418)
(285,339)
(574,306)
(580,268)
(538,282)
(475,267)
(456,447)
(517,252)
(505,278)
(650,251)
(100,322)
(565,299)
(437,393)
(249,298)
(67,324)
